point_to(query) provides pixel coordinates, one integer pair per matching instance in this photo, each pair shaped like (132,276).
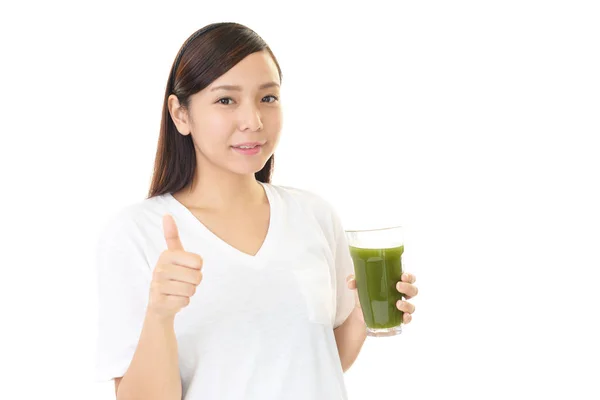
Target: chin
(246,164)
(248,169)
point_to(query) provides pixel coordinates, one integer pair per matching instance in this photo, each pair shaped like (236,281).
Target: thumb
(171,233)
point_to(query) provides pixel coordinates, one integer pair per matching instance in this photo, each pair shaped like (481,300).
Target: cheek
(219,124)
(274,123)
(214,131)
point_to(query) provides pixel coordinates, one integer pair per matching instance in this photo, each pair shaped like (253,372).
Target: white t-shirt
(258,327)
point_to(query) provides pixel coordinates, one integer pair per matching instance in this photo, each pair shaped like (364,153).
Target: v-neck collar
(267,242)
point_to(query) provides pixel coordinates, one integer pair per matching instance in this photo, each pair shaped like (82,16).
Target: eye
(221,101)
(271,96)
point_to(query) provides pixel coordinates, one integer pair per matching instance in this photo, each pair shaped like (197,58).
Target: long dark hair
(206,55)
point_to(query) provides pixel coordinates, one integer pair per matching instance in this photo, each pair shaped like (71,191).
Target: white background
(472,123)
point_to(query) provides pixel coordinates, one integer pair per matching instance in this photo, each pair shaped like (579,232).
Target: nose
(250,118)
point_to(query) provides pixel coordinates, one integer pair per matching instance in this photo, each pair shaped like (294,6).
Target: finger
(175,288)
(405,306)
(171,233)
(407,289)
(409,278)
(183,258)
(406,318)
(351,282)
(177,301)
(180,274)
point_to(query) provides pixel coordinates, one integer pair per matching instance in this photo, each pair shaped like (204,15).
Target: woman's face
(240,107)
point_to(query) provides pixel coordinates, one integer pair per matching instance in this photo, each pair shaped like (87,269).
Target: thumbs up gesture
(176,275)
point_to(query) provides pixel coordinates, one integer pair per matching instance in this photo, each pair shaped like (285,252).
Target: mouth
(248,148)
(248,145)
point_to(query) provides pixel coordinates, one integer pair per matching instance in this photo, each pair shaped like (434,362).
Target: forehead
(254,70)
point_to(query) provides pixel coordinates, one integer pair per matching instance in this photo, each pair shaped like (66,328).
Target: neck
(218,190)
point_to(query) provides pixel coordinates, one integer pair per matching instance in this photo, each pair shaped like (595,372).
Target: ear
(179,115)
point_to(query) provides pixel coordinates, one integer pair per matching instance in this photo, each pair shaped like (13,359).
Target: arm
(349,338)
(136,343)
(154,371)
(349,327)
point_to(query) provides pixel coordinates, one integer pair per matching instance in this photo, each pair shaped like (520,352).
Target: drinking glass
(377,257)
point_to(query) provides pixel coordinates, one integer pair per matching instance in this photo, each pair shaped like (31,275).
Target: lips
(247,145)
(248,151)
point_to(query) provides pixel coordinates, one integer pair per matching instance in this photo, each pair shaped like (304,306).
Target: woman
(221,285)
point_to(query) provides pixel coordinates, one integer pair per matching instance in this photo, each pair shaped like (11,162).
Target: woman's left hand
(405,286)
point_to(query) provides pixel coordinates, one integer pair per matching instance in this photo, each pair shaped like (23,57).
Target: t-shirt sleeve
(123,284)
(345,299)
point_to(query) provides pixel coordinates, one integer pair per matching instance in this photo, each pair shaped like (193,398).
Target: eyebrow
(239,88)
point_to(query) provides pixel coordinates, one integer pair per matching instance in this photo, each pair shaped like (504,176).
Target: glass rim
(373,230)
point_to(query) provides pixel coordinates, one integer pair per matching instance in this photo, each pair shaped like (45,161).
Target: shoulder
(305,196)
(132,221)
(317,205)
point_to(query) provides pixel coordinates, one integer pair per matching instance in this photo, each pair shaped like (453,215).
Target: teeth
(246,147)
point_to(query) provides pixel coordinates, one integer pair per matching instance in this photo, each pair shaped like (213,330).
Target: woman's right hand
(175,277)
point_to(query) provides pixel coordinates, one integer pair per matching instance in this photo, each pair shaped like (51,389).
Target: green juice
(377,271)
